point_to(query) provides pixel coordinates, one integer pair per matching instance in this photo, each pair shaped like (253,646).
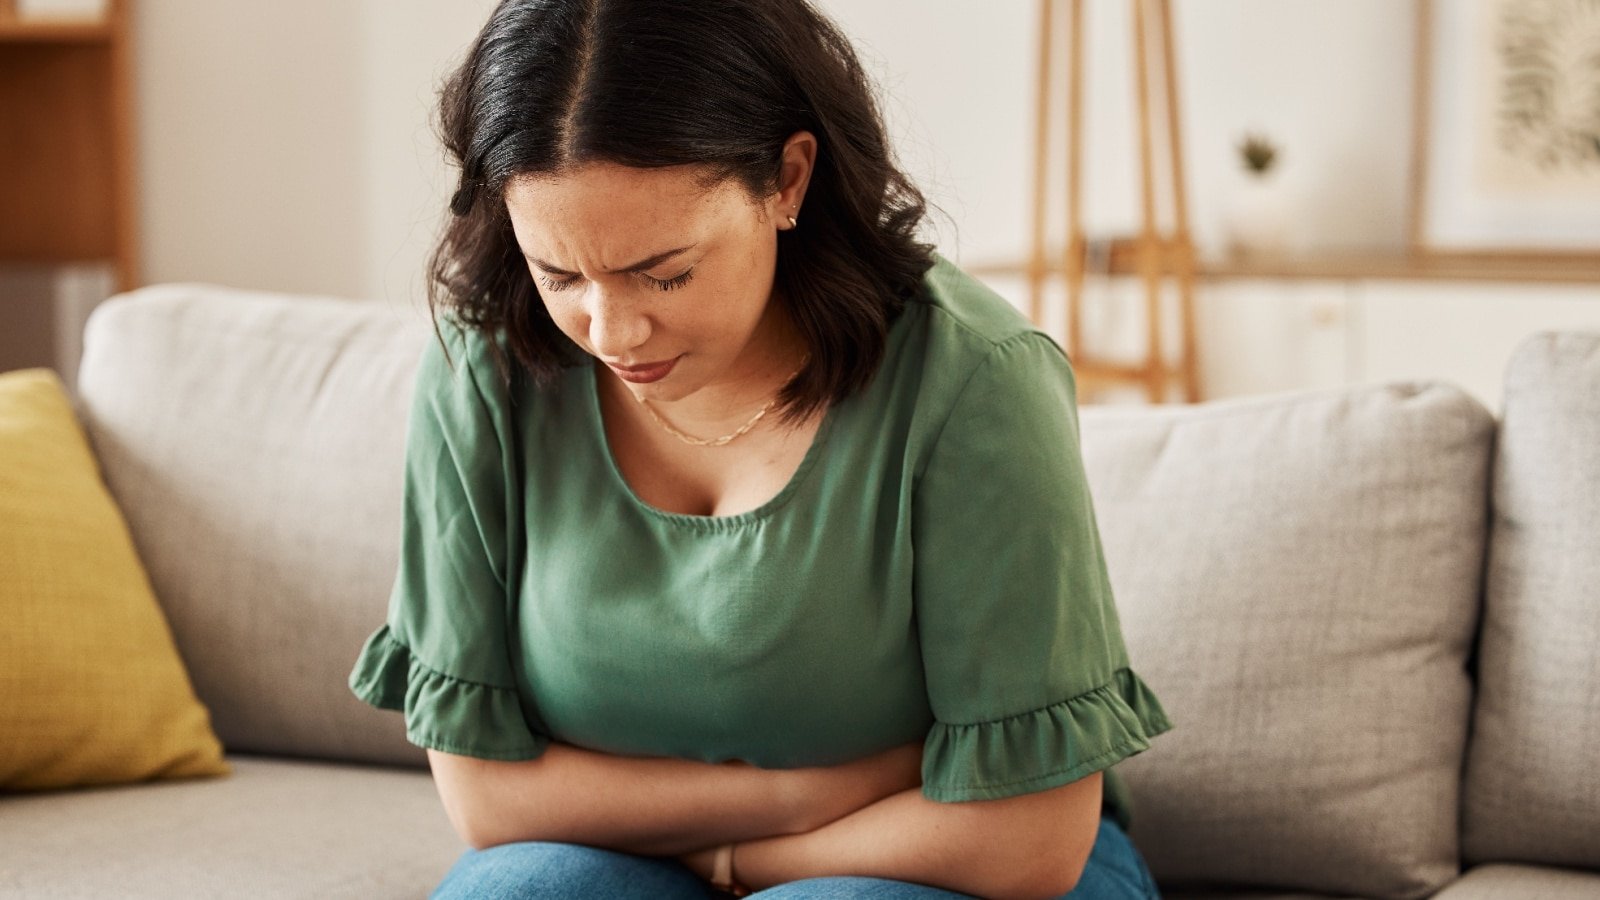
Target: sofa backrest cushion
(1299,577)
(254,442)
(1533,774)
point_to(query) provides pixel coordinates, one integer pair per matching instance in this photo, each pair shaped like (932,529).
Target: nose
(616,325)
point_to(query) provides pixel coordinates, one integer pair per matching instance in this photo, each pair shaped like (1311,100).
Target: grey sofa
(1372,613)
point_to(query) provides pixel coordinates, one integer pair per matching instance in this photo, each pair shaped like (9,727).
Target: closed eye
(676,281)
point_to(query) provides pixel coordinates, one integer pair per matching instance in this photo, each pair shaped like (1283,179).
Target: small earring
(793,223)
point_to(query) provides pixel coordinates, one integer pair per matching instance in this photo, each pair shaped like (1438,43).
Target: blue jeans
(544,869)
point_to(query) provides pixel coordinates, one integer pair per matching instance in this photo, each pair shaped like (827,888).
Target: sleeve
(442,655)
(1028,677)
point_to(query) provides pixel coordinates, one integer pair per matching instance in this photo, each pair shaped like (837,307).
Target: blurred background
(288,146)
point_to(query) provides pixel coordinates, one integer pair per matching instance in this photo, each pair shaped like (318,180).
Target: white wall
(289,146)
(1329,80)
(407,48)
(251,153)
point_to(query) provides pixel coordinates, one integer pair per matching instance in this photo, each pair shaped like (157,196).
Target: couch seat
(1495,881)
(276,827)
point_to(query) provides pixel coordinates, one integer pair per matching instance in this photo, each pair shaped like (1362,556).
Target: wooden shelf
(66,160)
(16,30)
(1344,266)
(1404,267)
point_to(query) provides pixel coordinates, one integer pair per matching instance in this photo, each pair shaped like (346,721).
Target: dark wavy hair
(549,85)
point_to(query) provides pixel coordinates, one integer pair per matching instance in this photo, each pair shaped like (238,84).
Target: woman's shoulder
(473,365)
(977,379)
(963,326)
(453,359)
(456,349)
(962,302)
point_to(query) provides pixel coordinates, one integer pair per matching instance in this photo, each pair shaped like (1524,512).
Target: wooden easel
(1155,255)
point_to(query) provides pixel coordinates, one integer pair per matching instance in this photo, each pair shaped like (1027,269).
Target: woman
(746,539)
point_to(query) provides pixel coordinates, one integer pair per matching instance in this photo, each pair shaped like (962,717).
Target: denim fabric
(557,871)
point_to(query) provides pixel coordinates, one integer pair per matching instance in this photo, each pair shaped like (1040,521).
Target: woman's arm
(1032,845)
(654,806)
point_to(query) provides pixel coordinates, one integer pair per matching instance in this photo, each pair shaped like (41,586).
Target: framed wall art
(1506,140)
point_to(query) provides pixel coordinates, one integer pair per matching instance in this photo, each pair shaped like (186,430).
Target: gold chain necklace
(727,438)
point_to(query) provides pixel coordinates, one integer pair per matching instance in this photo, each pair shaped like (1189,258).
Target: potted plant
(1259,220)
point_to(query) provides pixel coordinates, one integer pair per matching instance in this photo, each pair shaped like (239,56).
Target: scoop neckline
(714,523)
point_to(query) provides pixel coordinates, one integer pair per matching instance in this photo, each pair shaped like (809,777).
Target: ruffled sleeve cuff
(1043,748)
(443,712)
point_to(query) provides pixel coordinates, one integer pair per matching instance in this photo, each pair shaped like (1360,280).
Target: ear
(799,158)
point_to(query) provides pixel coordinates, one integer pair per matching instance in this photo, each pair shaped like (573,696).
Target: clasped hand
(822,794)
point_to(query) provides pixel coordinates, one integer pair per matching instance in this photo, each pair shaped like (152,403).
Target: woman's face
(643,266)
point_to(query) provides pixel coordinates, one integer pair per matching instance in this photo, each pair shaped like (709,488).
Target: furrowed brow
(640,266)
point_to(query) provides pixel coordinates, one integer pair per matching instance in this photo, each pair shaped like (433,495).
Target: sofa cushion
(1532,783)
(254,442)
(1508,882)
(1300,574)
(276,828)
(92,690)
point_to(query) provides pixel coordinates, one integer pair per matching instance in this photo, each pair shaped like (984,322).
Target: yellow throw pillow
(92,690)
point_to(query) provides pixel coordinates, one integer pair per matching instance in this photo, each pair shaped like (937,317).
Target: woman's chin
(667,390)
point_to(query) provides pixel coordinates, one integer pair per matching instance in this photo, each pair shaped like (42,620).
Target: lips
(646,373)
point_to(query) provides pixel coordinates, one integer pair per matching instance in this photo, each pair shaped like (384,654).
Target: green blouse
(932,571)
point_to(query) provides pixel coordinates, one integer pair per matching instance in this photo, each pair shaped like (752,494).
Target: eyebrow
(640,266)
